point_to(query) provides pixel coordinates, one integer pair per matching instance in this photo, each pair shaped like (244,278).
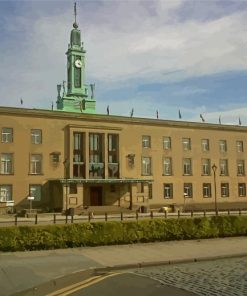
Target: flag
(203,120)
(21,101)
(132,112)
(239,121)
(179,114)
(157,114)
(219,119)
(108,110)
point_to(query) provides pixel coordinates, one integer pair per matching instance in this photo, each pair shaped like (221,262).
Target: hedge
(28,238)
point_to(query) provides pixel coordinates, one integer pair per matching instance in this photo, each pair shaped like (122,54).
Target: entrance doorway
(96,196)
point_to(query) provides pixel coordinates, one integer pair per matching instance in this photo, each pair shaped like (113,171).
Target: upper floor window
(206,167)
(167,166)
(223,167)
(224,189)
(205,144)
(95,148)
(241,189)
(35,191)
(36,136)
(168,190)
(240,168)
(240,146)
(7,135)
(35,164)
(112,148)
(6,163)
(5,193)
(188,190)
(167,144)
(186,144)
(206,190)
(223,146)
(146,141)
(187,166)
(146,166)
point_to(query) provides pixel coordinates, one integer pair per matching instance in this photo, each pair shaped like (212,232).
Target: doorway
(96,196)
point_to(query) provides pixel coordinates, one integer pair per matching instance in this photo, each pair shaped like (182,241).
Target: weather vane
(75,11)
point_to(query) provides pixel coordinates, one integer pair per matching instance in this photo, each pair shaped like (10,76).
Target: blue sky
(147,55)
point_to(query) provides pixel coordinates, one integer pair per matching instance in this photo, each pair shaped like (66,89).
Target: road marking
(81,285)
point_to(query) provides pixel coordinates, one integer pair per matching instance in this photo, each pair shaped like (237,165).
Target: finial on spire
(75,24)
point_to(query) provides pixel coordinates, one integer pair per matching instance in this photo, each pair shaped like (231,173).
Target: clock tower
(75,97)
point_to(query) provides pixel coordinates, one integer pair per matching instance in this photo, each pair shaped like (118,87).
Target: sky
(146,55)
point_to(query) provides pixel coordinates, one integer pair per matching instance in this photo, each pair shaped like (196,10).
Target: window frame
(146,141)
(240,164)
(206,165)
(167,172)
(7,165)
(189,186)
(146,171)
(186,165)
(244,189)
(239,144)
(167,143)
(224,186)
(223,146)
(36,171)
(206,187)
(39,198)
(9,137)
(186,144)
(205,145)
(36,138)
(168,188)
(2,186)
(224,172)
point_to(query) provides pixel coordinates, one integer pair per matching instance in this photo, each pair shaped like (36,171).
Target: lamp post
(66,167)
(214,168)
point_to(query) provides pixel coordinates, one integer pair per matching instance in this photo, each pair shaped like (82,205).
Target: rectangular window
(241,189)
(188,191)
(146,141)
(6,163)
(73,188)
(223,146)
(205,145)
(95,148)
(146,166)
(206,167)
(206,190)
(240,168)
(150,191)
(36,164)
(36,136)
(78,160)
(187,166)
(240,146)
(167,166)
(186,144)
(35,191)
(5,193)
(113,165)
(224,190)
(223,167)
(7,135)
(168,191)
(167,144)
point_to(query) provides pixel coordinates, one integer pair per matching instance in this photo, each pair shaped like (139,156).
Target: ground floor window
(224,190)
(168,190)
(5,193)
(35,191)
(188,190)
(206,188)
(241,189)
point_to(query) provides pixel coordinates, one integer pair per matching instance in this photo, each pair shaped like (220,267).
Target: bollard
(239,212)
(191,213)
(66,218)
(72,219)
(151,214)
(165,214)
(89,217)
(136,215)
(121,216)
(228,212)
(54,219)
(178,213)
(15,220)
(216,212)
(36,219)
(106,217)
(204,213)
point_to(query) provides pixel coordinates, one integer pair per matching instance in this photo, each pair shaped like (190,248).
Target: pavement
(42,271)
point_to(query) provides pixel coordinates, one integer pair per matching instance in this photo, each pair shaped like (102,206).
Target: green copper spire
(75,98)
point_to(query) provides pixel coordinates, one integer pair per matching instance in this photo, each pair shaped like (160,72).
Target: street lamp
(214,168)
(66,167)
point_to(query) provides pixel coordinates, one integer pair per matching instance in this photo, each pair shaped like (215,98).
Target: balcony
(96,170)
(113,170)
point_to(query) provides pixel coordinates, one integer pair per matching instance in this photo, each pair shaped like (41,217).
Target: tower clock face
(78,63)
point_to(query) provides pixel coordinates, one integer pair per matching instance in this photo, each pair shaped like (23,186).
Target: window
(223,167)
(240,146)
(241,189)
(188,190)
(168,191)
(206,167)
(113,169)
(167,166)
(146,166)
(96,168)
(167,144)
(186,144)
(224,190)
(5,193)
(150,191)
(7,135)
(35,191)
(240,168)
(6,163)
(73,188)
(78,164)
(36,164)
(205,145)
(146,141)
(36,136)
(223,146)
(206,190)
(187,166)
